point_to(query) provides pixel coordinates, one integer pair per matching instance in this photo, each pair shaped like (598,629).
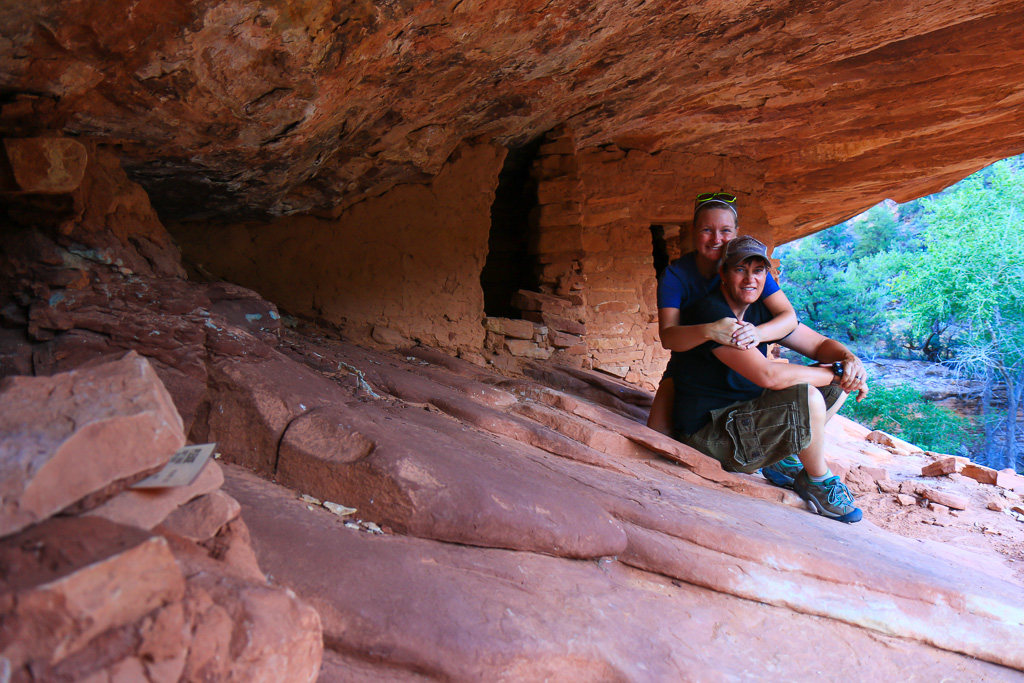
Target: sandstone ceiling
(225,109)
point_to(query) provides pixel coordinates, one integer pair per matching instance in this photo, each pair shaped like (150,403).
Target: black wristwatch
(837,370)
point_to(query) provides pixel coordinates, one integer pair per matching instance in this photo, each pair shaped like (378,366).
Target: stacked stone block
(551,326)
(556,240)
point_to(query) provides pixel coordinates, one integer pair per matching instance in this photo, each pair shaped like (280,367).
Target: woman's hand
(746,336)
(722,331)
(854,376)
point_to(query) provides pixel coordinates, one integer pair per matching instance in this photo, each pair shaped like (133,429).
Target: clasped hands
(738,334)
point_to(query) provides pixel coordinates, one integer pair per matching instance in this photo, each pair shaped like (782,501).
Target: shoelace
(838,493)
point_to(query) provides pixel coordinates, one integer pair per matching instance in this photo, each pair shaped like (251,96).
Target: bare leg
(660,418)
(813,457)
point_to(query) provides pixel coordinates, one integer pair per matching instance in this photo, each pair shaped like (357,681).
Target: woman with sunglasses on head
(688,279)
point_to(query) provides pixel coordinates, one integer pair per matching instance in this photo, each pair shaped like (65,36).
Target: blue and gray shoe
(829,498)
(783,472)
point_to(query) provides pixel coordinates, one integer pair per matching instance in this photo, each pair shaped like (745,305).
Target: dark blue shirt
(702,382)
(682,284)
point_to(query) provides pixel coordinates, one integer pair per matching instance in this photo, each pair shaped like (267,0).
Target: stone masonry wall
(402,266)
(593,238)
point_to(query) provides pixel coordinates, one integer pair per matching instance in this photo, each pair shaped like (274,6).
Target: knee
(815,403)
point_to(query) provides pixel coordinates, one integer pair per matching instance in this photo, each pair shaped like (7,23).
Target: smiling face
(712,230)
(743,283)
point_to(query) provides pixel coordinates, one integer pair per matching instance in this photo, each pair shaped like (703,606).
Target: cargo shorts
(749,435)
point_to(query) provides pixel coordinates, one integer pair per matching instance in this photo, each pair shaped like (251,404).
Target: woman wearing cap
(691,277)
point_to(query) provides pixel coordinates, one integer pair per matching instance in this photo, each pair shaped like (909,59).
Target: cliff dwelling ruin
(398,261)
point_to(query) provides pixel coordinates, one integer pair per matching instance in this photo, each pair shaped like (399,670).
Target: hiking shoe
(830,498)
(783,472)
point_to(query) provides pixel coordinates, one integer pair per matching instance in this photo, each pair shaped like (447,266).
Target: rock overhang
(225,111)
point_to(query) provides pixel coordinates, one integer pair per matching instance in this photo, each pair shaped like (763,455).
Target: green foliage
(969,287)
(940,278)
(903,412)
(838,279)
(969,283)
(923,279)
(875,234)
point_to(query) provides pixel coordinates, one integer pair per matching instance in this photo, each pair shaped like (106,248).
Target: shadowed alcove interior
(509,266)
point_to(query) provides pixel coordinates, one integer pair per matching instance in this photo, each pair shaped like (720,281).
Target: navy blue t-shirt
(681,283)
(702,382)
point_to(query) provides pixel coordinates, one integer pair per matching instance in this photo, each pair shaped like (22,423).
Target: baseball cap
(742,248)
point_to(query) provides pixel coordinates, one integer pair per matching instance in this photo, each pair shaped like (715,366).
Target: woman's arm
(770,375)
(818,347)
(676,337)
(783,317)
(782,323)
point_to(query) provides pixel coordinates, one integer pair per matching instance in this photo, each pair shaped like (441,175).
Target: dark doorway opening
(509,266)
(660,249)
(665,244)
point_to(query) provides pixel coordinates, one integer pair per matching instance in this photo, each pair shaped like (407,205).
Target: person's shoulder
(771,286)
(684,266)
(710,307)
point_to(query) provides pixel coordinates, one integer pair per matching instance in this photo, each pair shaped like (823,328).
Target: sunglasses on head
(714,197)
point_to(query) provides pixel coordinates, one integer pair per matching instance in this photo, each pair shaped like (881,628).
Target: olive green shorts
(749,435)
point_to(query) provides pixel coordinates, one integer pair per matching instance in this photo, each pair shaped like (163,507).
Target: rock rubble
(100,581)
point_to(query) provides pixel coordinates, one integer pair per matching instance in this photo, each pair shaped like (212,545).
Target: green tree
(836,292)
(875,232)
(967,288)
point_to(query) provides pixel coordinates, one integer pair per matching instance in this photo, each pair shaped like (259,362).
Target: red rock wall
(408,261)
(276,107)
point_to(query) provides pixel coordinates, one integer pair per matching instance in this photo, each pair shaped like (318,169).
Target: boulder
(893,443)
(250,633)
(946,498)
(202,518)
(68,580)
(945,465)
(45,165)
(1008,479)
(980,473)
(105,423)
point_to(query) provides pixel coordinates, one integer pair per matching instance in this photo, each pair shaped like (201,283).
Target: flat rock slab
(784,556)
(145,508)
(423,610)
(104,423)
(439,479)
(428,477)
